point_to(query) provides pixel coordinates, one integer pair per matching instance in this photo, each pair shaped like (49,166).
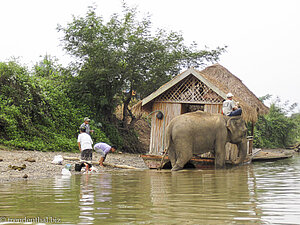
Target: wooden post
(251,139)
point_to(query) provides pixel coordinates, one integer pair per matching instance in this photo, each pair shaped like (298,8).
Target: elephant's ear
(230,123)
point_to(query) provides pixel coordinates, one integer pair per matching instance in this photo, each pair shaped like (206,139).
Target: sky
(263,36)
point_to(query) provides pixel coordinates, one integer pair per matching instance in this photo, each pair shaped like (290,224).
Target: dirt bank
(39,164)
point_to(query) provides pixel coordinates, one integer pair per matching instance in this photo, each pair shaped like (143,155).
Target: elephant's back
(197,129)
(198,116)
(196,119)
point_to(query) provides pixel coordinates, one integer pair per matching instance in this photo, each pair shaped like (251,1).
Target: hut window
(192,107)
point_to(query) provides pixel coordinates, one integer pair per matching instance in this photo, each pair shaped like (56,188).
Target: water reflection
(61,183)
(104,185)
(86,201)
(95,197)
(207,196)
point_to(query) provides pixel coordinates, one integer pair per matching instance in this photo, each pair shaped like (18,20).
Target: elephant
(199,132)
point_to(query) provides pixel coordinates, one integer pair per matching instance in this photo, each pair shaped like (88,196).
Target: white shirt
(85,141)
(228,106)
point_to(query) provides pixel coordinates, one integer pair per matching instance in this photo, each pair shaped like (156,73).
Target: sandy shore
(39,164)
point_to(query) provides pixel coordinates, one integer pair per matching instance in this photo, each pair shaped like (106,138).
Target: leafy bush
(35,109)
(296,118)
(276,129)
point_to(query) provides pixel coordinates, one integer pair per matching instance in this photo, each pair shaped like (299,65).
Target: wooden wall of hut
(213,108)
(158,126)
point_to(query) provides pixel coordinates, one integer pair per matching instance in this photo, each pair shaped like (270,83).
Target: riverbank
(39,164)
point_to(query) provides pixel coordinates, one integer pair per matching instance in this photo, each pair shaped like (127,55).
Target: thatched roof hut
(196,90)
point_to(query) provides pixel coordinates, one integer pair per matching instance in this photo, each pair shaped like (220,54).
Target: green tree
(35,110)
(296,119)
(122,56)
(277,129)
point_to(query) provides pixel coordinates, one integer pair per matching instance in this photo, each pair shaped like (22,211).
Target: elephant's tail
(168,138)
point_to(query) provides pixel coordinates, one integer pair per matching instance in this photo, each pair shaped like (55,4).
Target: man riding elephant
(199,132)
(230,107)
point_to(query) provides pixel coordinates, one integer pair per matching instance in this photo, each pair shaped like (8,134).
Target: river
(260,193)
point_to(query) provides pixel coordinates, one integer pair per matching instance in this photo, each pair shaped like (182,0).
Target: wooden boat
(272,154)
(158,161)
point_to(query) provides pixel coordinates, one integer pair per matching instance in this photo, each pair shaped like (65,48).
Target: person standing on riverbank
(103,149)
(85,143)
(87,126)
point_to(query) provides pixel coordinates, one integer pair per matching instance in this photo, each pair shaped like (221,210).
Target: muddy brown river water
(260,193)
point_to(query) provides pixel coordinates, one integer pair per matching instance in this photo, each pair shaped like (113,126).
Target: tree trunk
(125,108)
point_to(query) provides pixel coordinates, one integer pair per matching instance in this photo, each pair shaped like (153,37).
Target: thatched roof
(221,81)
(227,82)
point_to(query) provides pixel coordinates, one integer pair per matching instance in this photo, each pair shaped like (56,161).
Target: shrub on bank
(35,110)
(276,129)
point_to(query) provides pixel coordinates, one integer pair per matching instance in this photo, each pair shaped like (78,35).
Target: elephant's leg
(184,152)
(172,155)
(220,153)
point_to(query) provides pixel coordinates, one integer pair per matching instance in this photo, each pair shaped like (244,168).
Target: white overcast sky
(263,36)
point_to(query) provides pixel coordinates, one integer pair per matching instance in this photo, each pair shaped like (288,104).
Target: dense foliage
(35,111)
(277,129)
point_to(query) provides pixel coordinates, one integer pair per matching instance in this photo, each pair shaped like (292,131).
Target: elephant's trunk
(242,153)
